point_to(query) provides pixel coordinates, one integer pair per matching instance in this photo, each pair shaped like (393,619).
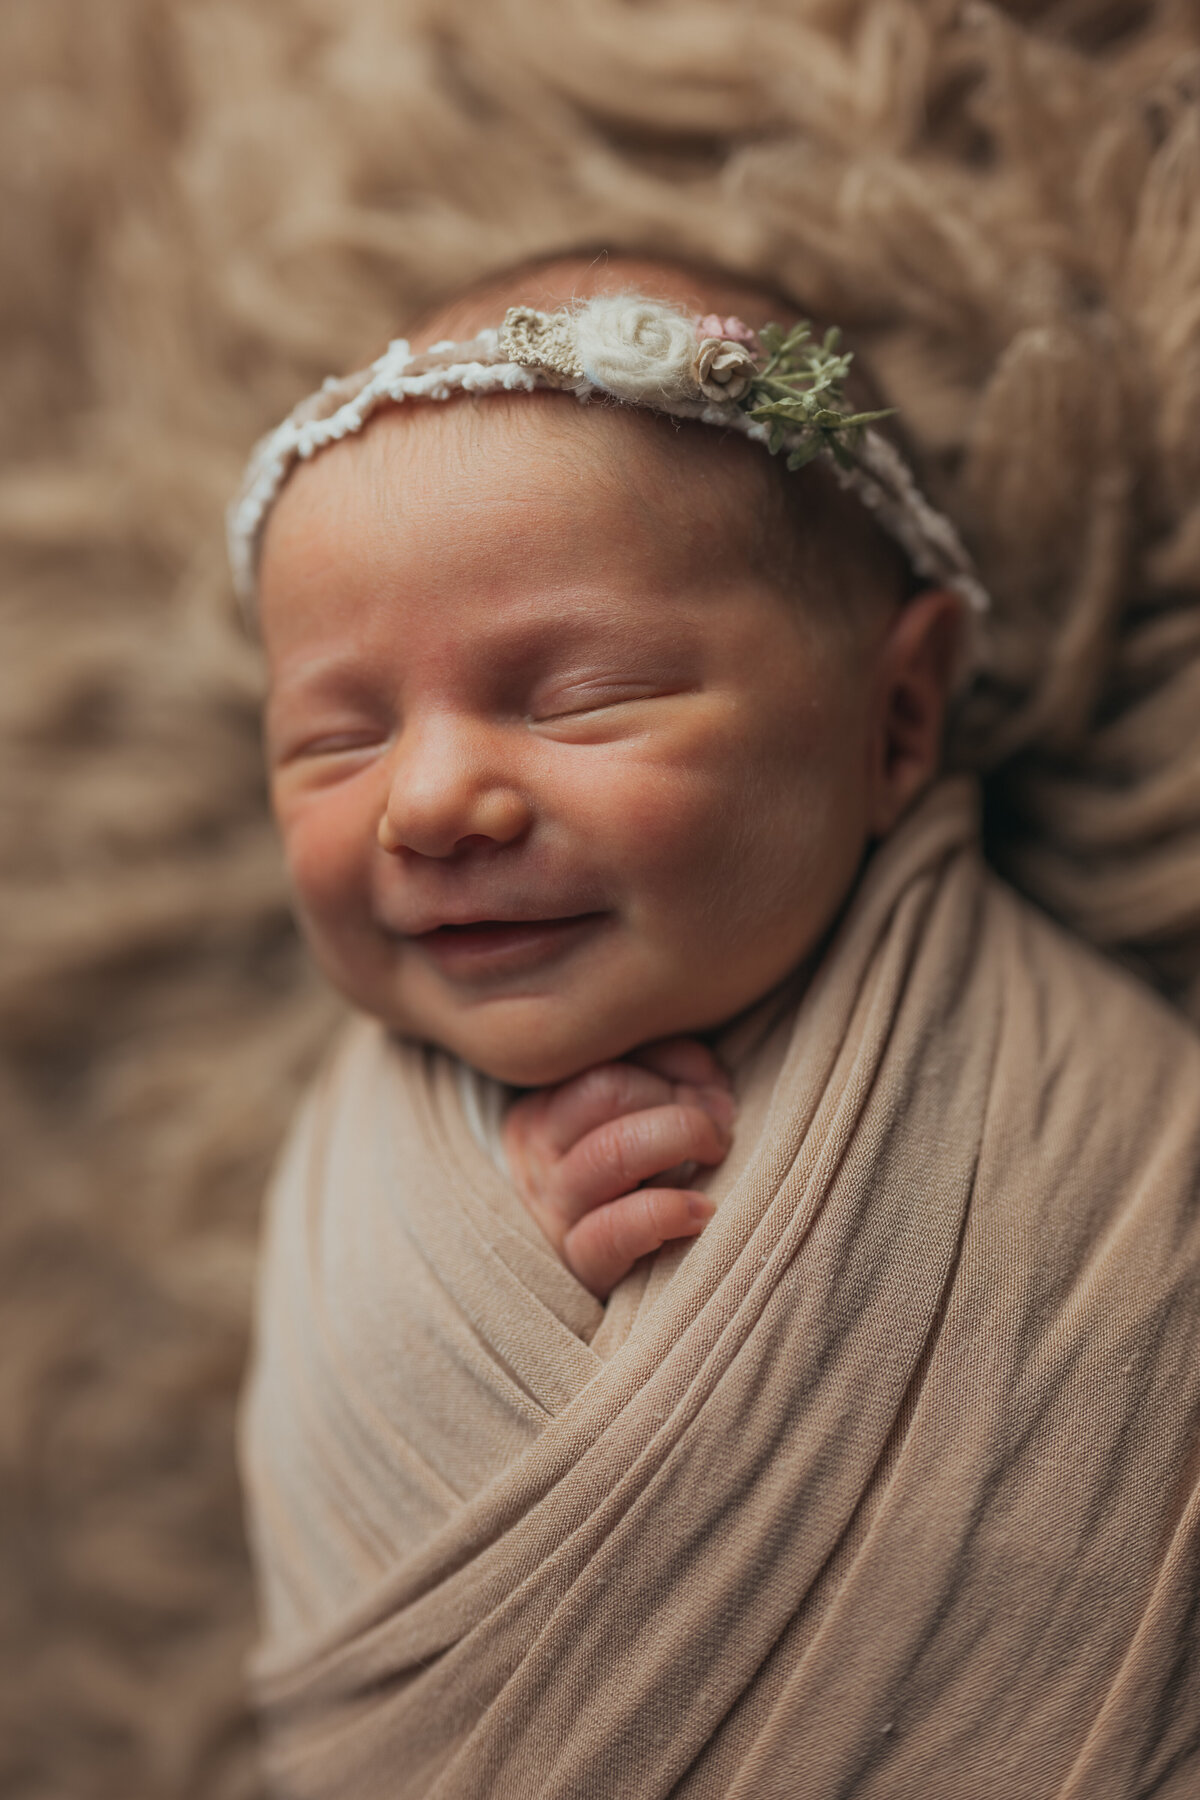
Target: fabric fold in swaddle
(885,1485)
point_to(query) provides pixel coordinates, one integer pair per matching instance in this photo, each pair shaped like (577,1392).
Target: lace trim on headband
(781,390)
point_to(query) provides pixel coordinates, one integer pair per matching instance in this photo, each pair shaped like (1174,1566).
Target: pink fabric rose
(734,331)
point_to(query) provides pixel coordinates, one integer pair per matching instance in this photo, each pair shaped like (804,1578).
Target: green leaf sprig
(800,390)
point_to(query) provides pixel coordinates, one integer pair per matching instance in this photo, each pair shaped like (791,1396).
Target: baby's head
(582,719)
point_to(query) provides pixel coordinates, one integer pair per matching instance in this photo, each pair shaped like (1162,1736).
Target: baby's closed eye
(576,699)
(333,743)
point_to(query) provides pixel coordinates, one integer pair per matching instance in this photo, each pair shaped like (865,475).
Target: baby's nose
(441,801)
(496,820)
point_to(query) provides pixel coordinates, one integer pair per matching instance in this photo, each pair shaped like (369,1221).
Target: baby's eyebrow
(556,627)
(340,672)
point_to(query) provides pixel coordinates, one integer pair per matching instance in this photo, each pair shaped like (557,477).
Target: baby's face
(559,769)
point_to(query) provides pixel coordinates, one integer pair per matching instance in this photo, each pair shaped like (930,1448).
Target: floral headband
(780,389)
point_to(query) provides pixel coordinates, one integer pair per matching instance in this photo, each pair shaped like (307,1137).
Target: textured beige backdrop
(206,205)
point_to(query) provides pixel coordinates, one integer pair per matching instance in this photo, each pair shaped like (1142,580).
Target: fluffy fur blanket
(206,206)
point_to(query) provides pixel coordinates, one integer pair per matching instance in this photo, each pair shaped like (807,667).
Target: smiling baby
(604,741)
(584,757)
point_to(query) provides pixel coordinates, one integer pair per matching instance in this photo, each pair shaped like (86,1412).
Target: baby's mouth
(480,947)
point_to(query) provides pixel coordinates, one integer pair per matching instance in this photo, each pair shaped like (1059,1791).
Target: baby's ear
(915,671)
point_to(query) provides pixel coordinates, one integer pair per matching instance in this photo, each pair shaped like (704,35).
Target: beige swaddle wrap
(888,1485)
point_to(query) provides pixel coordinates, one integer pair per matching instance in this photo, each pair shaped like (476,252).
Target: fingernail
(700,1207)
(718,1104)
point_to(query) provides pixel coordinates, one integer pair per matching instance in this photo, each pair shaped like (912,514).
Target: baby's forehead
(466,457)
(600,436)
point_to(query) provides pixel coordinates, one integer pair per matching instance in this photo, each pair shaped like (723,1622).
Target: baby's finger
(683,1059)
(602,1248)
(617,1156)
(596,1096)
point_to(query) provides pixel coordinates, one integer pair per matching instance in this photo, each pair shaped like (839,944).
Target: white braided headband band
(781,392)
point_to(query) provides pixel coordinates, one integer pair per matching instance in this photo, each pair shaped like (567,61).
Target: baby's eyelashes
(343,744)
(566,703)
(314,741)
(608,721)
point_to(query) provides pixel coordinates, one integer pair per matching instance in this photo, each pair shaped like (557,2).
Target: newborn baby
(581,724)
(591,1449)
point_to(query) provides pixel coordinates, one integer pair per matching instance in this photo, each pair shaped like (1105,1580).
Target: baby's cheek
(323,848)
(677,813)
(738,837)
(649,825)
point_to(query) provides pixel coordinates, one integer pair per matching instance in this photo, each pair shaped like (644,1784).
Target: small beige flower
(723,370)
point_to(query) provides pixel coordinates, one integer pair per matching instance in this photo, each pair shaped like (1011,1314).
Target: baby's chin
(524,1044)
(522,1060)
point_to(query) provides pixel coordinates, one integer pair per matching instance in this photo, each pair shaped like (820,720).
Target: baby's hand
(578,1152)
